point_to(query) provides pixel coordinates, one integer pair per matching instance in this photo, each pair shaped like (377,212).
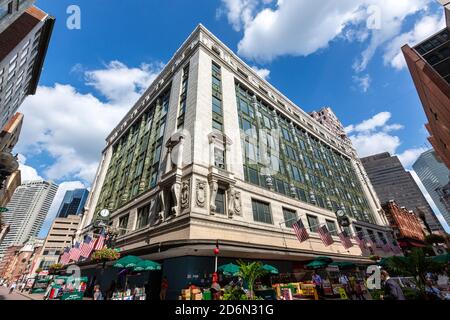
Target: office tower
(27,211)
(434,175)
(73,203)
(211,153)
(59,237)
(429,64)
(10,10)
(328,118)
(23,46)
(392,182)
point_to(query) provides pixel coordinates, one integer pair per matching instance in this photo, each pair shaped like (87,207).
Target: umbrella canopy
(270,269)
(324,259)
(343,265)
(229,269)
(147,265)
(445,258)
(316,265)
(127,262)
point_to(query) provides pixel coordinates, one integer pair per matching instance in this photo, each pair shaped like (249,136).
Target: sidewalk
(35,296)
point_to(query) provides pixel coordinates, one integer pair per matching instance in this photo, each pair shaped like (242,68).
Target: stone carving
(200,193)
(214,187)
(234,202)
(161,208)
(185,194)
(175,190)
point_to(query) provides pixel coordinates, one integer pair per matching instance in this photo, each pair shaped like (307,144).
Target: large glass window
(313,223)
(143,216)
(123,225)
(220,201)
(290,217)
(331,225)
(261,212)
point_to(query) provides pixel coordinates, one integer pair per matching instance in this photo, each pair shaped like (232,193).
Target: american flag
(65,256)
(325,236)
(345,240)
(87,247)
(300,231)
(359,238)
(75,252)
(386,247)
(100,242)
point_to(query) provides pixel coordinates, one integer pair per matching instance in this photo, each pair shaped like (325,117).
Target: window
(143,216)
(219,158)
(290,217)
(313,223)
(220,201)
(382,237)
(331,225)
(123,224)
(261,212)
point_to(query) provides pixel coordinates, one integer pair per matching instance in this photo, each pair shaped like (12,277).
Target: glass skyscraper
(73,203)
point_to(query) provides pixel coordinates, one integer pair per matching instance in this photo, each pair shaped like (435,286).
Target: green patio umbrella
(343,265)
(127,262)
(229,269)
(324,259)
(147,265)
(445,258)
(270,269)
(316,264)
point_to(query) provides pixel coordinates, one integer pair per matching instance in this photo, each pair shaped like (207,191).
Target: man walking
(392,290)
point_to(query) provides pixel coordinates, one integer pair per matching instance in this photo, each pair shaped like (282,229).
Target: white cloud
(423,29)
(120,84)
(363,82)
(71,127)
(368,144)
(430,201)
(302,27)
(408,157)
(27,173)
(374,135)
(263,73)
(53,211)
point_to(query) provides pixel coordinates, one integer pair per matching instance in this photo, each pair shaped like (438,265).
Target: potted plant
(55,268)
(250,272)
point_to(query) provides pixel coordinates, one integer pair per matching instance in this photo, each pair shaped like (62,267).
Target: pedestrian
(13,286)
(216,291)
(392,290)
(317,281)
(359,290)
(164,287)
(97,293)
(343,280)
(442,281)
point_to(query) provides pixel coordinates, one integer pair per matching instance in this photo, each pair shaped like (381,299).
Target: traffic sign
(4,209)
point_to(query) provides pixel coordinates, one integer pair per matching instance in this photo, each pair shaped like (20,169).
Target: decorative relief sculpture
(200,193)
(175,190)
(161,208)
(185,194)
(234,202)
(214,188)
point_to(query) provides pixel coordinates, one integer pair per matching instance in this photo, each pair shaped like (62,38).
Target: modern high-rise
(10,10)
(27,211)
(23,47)
(60,236)
(434,175)
(73,203)
(429,64)
(213,153)
(392,182)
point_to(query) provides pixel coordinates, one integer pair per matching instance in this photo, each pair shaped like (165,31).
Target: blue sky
(317,55)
